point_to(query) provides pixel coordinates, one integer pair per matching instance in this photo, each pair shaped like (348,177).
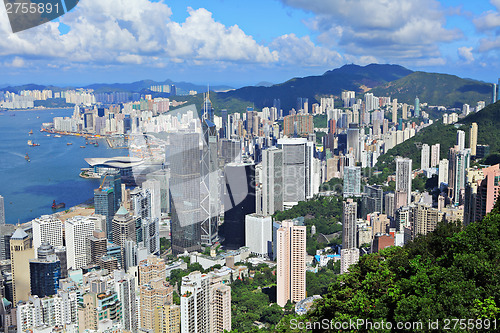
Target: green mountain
(436,89)
(447,274)
(488,122)
(348,77)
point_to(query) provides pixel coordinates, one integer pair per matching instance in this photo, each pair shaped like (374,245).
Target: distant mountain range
(138,86)
(382,80)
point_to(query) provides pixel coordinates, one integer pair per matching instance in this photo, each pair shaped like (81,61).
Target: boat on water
(47,134)
(96,144)
(69,143)
(27,158)
(57,136)
(30,132)
(82,146)
(58,205)
(32,143)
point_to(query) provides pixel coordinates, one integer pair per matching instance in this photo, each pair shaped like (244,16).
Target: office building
(210,178)
(402,195)
(373,198)
(348,257)
(2,211)
(21,252)
(104,203)
(239,201)
(6,231)
(297,170)
(45,272)
(291,261)
(98,246)
(353,142)
(258,234)
(417,107)
(473,139)
(78,230)
(47,229)
(349,218)
(459,163)
(494,93)
(124,228)
(424,157)
(352,181)
(272,181)
(184,159)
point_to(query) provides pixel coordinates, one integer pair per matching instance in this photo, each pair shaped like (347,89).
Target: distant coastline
(34,109)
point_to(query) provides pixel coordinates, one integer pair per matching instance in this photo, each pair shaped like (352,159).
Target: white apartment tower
(435,152)
(47,229)
(424,157)
(403,182)
(78,230)
(291,259)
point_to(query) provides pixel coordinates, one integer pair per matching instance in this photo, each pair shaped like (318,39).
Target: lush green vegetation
(449,273)
(322,212)
(317,283)
(164,244)
(320,121)
(487,121)
(250,304)
(436,89)
(334,184)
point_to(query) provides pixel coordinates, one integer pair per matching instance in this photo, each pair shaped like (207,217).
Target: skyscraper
(349,217)
(125,290)
(462,163)
(209,186)
(352,181)
(395,110)
(45,272)
(78,231)
(417,107)
(47,229)
(258,234)
(185,169)
(124,228)
(272,181)
(291,260)
(425,155)
(239,201)
(195,303)
(353,142)
(435,152)
(461,140)
(494,93)
(295,175)
(104,203)
(21,252)
(2,211)
(443,172)
(403,182)
(473,139)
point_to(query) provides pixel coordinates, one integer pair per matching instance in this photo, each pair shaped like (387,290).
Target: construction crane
(103,181)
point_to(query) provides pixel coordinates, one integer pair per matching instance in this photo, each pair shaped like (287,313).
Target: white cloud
(302,51)
(465,53)
(133,32)
(389,30)
(17,62)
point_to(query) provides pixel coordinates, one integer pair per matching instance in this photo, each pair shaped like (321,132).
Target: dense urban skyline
(273,41)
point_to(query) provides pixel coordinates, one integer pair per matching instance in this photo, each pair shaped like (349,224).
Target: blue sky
(241,42)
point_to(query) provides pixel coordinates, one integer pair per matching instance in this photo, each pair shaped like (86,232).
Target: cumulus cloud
(295,50)
(17,62)
(465,53)
(394,30)
(133,32)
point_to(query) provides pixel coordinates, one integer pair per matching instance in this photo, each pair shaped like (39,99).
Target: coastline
(36,109)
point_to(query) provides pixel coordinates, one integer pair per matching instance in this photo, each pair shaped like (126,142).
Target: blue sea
(29,188)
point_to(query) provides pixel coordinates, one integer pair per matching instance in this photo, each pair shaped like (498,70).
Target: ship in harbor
(32,143)
(58,205)
(27,158)
(30,132)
